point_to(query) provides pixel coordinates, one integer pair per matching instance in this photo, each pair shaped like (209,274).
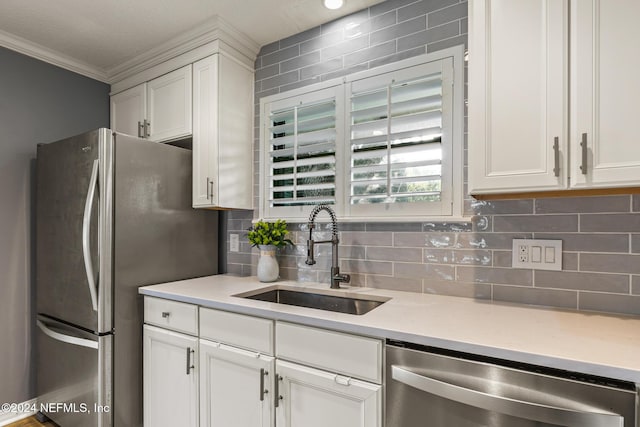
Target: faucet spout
(336,277)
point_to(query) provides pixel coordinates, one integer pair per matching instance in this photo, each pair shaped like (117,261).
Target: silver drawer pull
(190,365)
(556,156)
(263,373)
(583,145)
(165,314)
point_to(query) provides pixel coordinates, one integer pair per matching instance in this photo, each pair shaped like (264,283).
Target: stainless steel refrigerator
(113,213)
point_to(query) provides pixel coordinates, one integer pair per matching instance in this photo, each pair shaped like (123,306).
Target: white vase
(268,270)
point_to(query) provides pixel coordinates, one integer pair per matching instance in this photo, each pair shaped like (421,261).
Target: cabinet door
(128,111)
(314,398)
(222,133)
(235,387)
(235,162)
(605,89)
(518,69)
(169,105)
(170,380)
(205,132)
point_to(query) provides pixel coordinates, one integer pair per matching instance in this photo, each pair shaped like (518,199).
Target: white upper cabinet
(526,74)
(222,133)
(518,53)
(169,105)
(159,109)
(129,110)
(604,93)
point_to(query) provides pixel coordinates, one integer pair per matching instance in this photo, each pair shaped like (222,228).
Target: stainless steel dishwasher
(428,387)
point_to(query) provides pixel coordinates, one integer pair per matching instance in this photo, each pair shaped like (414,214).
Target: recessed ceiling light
(333,4)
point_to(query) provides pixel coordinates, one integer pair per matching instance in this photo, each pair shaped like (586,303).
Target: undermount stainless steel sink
(339,303)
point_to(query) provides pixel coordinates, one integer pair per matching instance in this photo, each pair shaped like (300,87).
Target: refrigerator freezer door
(64,185)
(74,374)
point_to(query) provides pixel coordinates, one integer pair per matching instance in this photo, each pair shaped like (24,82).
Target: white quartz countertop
(592,343)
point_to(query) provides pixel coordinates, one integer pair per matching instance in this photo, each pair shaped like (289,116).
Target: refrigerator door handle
(69,339)
(86,237)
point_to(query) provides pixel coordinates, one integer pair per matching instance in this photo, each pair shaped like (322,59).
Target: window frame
(417,211)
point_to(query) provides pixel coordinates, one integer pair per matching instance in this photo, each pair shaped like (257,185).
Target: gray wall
(39,103)
(601,235)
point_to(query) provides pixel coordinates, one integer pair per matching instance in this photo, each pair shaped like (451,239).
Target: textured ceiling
(104,34)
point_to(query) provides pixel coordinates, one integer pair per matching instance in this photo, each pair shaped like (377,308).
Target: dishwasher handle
(504,405)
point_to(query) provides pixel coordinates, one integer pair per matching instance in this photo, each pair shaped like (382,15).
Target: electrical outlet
(523,253)
(537,254)
(234,243)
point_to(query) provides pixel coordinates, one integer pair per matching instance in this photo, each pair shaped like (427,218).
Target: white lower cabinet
(236,386)
(310,397)
(170,377)
(255,372)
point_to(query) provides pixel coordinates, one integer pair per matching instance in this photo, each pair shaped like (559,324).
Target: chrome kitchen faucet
(336,277)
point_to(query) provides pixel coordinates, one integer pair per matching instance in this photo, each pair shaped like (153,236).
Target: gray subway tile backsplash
(480,291)
(394,283)
(448,14)
(508,276)
(610,303)
(590,242)
(422,7)
(381,253)
(597,282)
(466,258)
(519,223)
(610,223)
(583,204)
(383,20)
(424,271)
(535,296)
(610,263)
(399,30)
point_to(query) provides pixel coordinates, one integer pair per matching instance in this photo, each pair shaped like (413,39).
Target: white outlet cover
(234,243)
(547,254)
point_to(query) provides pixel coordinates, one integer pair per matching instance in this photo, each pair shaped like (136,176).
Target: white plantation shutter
(400,142)
(301,159)
(384,143)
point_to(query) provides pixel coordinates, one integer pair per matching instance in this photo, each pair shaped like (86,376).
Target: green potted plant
(268,236)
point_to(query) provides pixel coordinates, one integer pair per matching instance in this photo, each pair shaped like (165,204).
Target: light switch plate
(234,243)
(537,254)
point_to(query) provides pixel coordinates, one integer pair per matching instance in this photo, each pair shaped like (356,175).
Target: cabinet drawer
(174,315)
(350,355)
(248,332)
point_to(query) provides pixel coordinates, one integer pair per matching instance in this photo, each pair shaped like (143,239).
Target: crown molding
(51,56)
(216,28)
(210,31)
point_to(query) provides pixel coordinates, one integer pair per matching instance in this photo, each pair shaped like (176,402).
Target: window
(381,144)
(300,152)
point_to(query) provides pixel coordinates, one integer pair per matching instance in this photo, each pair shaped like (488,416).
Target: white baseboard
(7,417)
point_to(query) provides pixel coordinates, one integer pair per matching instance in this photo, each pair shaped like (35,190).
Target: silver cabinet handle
(583,145)
(140,130)
(556,156)
(263,374)
(147,128)
(190,366)
(504,405)
(211,189)
(86,236)
(207,188)
(277,398)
